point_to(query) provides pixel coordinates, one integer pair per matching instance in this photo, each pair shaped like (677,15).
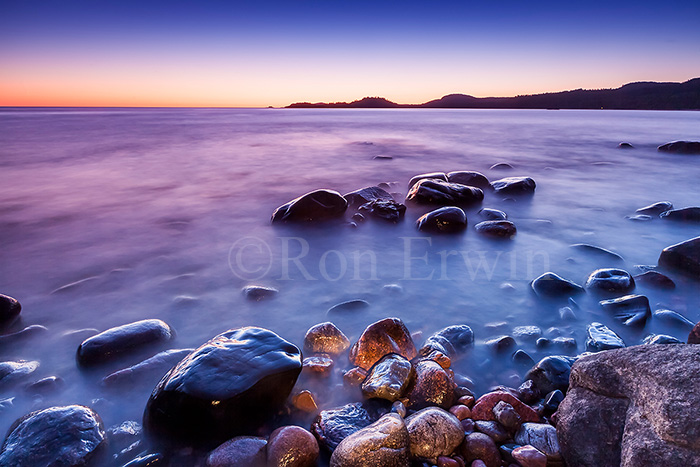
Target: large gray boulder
(632,407)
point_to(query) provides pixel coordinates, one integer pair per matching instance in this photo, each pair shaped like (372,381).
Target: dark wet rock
(600,251)
(661,339)
(121,340)
(433,191)
(610,281)
(656,280)
(565,343)
(542,437)
(259,292)
(147,460)
(689,214)
(631,310)
(46,386)
(319,365)
(493,430)
(625,145)
(359,197)
(452,341)
(483,408)
(500,229)
(551,373)
(357,217)
(633,407)
(387,336)
(433,432)
(478,446)
(241,451)
(12,372)
(501,166)
(382,157)
(639,218)
(313,206)
(507,416)
(522,359)
(123,435)
(694,336)
(492,214)
(684,257)
(325,338)
(149,371)
(601,337)
(384,443)
(425,176)
(10,309)
(656,208)
(388,210)
(543,343)
(552,401)
(514,185)
(501,343)
(349,306)
(228,386)
(26,333)
(673,318)
(681,147)
(566,313)
(433,386)
(469,178)
(389,378)
(527,333)
(292,446)
(448,219)
(67,436)
(334,425)
(553,285)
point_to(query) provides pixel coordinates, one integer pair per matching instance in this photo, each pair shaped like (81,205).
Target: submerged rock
(655,279)
(684,257)
(610,281)
(357,198)
(12,372)
(673,318)
(625,145)
(660,339)
(434,432)
(447,219)
(259,292)
(313,206)
(553,285)
(551,373)
(65,436)
(597,250)
(241,451)
(656,208)
(492,214)
(631,310)
(601,337)
(388,210)
(26,333)
(451,341)
(476,179)
(514,185)
(348,306)
(689,214)
(681,147)
(147,371)
(385,443)
(501,166)
(389,378)
(10,309)
(433,191)
(325,338)
(501,229)
(425,176)
(387,336)
(228,386)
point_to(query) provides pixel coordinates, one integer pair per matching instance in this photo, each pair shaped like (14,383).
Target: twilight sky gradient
(268,52)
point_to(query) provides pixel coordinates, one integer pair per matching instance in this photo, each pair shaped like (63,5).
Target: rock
(483,409)
(631,310)
(45,386)
(501,229)
(514,185)
(67,436)
(553,285)
(493,430)
(566,313)
(661,339)
(355,376)
(381,338)
(389,378)
(656,208)
(551,373)
(501,343)
(241,451)
(633,407)
(461,411)
(292,446)
(313,206)
(624,145)
(542,437)
(433,432)
(527,333)
(149,371)
(357,198)
(305,401)
(610,281)
(522,359)
(433,191)
(681,147)
(123,435)
(381,157)
(319,365)
(431,175)
(433,387)
(120,340)
(452,341)
(10,309)
(639,218)
(694,336)
(384,443)
(567,343)
(506,415)
(325,338)
(528,456)
(259,292)
(599,251)
(690,214)
(673,318)
(349,306)
(469,178)
(146,460)
(444,461)
(601,337)
(226,387)
(478,446)
(492,214)
(449,219)
(501,166)
(357,217)
(684,257)
(656,280)
(334,425)
(388,210)
(26,333)
(552,401)
(12,372)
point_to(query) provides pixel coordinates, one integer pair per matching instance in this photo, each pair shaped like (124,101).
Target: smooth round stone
(596,250)
(359,197)
(12,372)
(478,446)
(67,436)
(499,229)
(124,339)
(292,446)
(389,378)
(601,337)
(451,341)
(435,175)
(444,461)
(492,429)
(683,257)
(433,432)
(313,206)
(542,437)
(461,411)
(433,191)
(449,219)
(325,338)
(631,310)
(522,359)
(514,185)
(348,306)
(468,178)
(259,292)
(10,309)
(689,214)
(385,443)
(501,343)
(241,451)
(625,145)
(661,339)
(551,373)
(433,387)
(318,365)
(673,318)
(610,281)
(528,456)
(398,408)
(681,147)
(501,166)
(492,214)
(656,208)
(553,285)
(386,336)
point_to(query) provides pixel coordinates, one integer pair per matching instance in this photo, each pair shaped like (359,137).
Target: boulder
(9,310)
(631,310)
(514,185)
(600,337)
(58,436)
(689,214)
(313,206)
(241,451)
(499,229)
(553,285)
(468,178)
(681,147)
(389,378)
(610,281)
(684,257)
(149,371)
(359,197)
(325,338)
(448,219)
(387,336)
(431,175)
(656,208)
(633,407)
(226,387)
(434,432)
(385,443)
(292,446)
(433,191)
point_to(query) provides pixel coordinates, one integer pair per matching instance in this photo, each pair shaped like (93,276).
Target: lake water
(108,216)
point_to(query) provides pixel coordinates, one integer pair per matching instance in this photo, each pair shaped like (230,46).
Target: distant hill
(633,96)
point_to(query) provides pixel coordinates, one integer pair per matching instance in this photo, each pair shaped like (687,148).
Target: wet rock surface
(610,281)
(681,147)
(259,292)
(148,371)
(448,219)
(684,257)
(656,208)
(499,229)
(601,337)
(314,206)
(492,214)
(551,373)
(689,214)
(389,378)
(631,310)
(348,306)
(468,178)
(359,197)
(13,372)
(451,341)
(672,318)
(483,408)
(241,451)
(292,446)
(434,386)
(386,336)
(433,432)
(433,191)
(334,425)
(10,309)
(655,279)
(325,338)
(385,442)
(430,175)
(541,436)
(694,336)
(479,447)
(388,210)
(552,285)
(514,185)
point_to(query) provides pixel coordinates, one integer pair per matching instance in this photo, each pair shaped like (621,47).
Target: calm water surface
(110,216)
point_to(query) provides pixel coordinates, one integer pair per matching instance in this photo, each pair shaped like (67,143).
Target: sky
(211,53)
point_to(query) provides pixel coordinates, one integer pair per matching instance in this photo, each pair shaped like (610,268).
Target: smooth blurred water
(165,213)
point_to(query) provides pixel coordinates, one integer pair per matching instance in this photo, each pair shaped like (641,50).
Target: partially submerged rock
(684,257)
(601,337)
(334,425)
(388,210)
(386,336)
(433,191)
(681,147)
(11,372)
(10,309)
(259,292)
(240,451)
(325,338)
(499,229)
(468,178)
(359,197)
(389,378)
(631,310)
(313,206)
(610,281)
(689,214)
(430,175)
(553,285)
(448,219)
(656,208)
(514,185)
(150,370)
(451,341)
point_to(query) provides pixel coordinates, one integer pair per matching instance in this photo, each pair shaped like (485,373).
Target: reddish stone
(467,400)
(468,425)
(305,401)
(478,463)
(387,336)
(479,446)
(318,365)
(325,338)
(694,336)
(292,446)
(354,376)
(444,461)
(483,409)
(461,411)
(528,456)
(433,387)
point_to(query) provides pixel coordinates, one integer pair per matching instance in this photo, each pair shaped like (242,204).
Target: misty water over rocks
(108,217)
